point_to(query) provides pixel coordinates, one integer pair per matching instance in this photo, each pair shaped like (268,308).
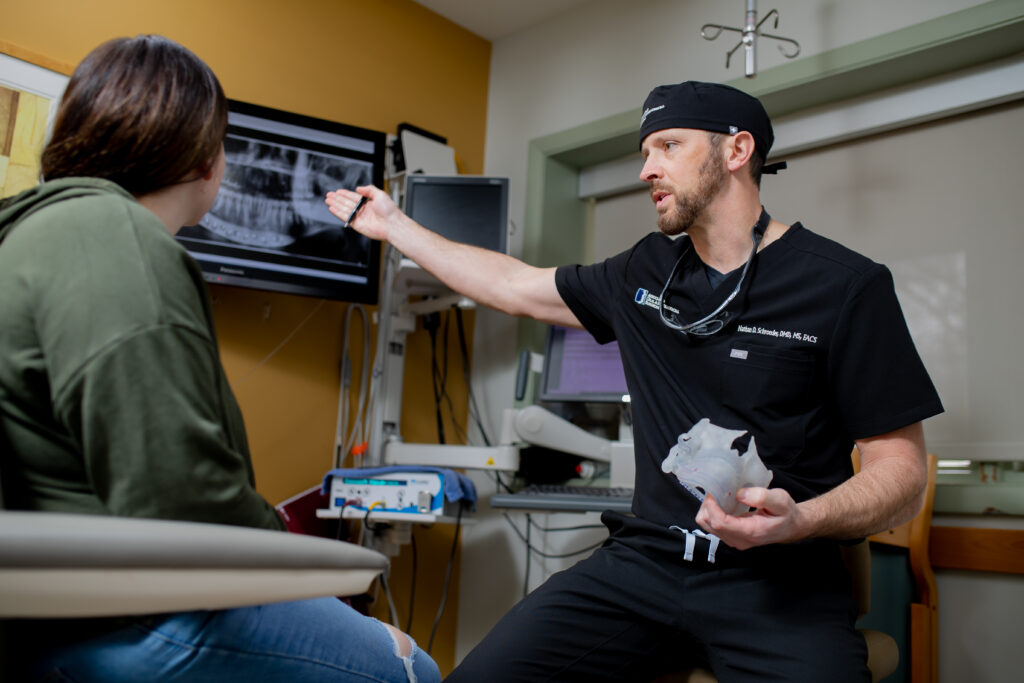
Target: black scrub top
(816,353)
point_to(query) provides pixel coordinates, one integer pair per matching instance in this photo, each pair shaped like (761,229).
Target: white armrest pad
(42,539)
(59,565)
(40,593)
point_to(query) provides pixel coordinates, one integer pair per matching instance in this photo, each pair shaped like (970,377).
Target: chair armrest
(54,565)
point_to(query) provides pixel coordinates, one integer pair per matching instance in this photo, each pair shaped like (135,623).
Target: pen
(348,221)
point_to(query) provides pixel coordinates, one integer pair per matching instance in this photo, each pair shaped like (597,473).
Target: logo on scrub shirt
(647,298)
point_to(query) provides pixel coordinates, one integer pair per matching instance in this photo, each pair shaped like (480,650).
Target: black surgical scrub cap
(709,106)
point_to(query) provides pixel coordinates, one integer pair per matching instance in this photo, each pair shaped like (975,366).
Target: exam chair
(56,565)
(883,651)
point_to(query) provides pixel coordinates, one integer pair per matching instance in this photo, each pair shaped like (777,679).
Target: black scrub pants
(636,609)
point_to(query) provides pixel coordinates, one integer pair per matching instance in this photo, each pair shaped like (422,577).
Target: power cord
(280,346)
(392,612)
(499,482)
(459,431)
(447,578)
(531,550)
(431,323)
(358,432)
(412,582)
(526,572)
(474,409)
(551,556)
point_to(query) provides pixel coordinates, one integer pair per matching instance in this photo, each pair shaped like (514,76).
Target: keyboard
(568,498)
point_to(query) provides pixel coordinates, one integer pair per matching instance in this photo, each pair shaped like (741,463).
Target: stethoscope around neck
(715,320)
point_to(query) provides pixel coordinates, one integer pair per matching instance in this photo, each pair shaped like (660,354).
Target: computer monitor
(468,209)
(578,369)
(269,227)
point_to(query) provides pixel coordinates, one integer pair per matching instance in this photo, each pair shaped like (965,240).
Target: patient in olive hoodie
(112,394)
(113,400)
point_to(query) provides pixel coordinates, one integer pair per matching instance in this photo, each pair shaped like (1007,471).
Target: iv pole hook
(749,35)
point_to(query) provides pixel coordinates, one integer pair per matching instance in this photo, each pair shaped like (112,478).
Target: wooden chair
(883,651)
(924,615)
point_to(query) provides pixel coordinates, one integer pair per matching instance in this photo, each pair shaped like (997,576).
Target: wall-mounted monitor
(578,369)
(269,227)
(463,208)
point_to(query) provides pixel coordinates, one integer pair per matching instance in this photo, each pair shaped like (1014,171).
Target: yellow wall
(372,64)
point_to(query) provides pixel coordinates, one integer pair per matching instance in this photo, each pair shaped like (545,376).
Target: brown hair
(144,112)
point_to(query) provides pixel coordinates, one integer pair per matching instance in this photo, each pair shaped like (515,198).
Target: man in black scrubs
(758,327)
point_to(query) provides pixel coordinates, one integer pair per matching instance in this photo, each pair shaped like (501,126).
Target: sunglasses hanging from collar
(713,322)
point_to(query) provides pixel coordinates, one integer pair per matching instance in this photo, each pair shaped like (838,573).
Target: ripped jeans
(310,640)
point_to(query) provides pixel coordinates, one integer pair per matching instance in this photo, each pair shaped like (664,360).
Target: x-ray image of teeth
(273,195)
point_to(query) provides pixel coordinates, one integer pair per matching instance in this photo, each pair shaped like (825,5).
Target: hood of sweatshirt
(15,209)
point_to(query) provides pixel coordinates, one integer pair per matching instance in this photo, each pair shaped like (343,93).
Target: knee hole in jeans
(403,645)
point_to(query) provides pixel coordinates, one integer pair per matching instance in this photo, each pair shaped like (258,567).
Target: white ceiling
(493,19)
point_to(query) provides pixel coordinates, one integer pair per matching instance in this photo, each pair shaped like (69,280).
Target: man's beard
(689,207)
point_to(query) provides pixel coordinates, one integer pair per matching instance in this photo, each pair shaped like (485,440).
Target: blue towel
(457,486)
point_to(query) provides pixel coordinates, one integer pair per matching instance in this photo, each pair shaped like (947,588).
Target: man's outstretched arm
(490,278)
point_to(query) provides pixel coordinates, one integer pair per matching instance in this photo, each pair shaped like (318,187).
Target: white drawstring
(691,540)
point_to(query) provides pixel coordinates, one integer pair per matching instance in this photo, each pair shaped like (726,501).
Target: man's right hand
(374,219)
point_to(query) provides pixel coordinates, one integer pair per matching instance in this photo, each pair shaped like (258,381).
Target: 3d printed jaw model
(704,462)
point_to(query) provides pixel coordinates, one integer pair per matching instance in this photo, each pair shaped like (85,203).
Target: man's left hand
(776,518)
